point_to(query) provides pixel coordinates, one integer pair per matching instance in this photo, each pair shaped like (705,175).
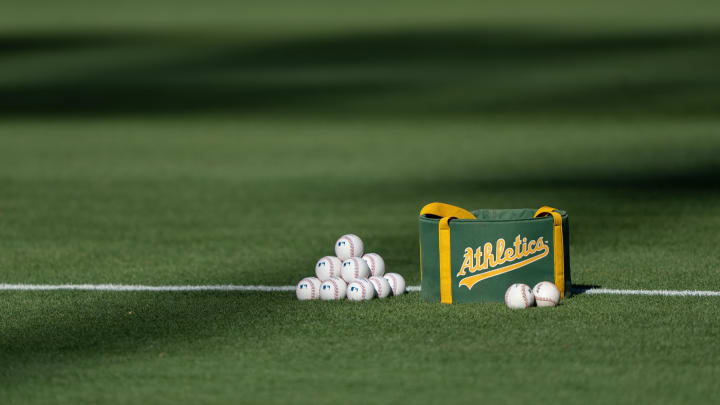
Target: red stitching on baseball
(524,297)
(336,287)
(545,299)
(372,268)
(377,284)
(312,288)
(352,247)
(357,267)
(332,267)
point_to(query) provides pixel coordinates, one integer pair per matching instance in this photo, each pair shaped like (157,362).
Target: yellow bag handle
(446,212)
(443,210)
(559,249)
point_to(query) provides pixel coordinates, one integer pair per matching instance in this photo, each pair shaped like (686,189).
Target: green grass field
(228,143)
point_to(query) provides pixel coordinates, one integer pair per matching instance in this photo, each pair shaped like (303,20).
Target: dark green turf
(233,143)
(78,347)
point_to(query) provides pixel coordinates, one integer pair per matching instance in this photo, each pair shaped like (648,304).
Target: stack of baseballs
(350,274)
(519,296)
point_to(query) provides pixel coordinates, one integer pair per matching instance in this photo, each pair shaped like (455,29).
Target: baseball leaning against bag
(546,294)
(520,296)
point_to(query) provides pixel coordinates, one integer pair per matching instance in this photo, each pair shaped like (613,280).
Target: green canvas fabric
(490,226)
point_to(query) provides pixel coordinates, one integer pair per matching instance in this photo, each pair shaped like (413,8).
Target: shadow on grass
(579,289)
(56,330)
(450,71)
(18,44)
(668,183)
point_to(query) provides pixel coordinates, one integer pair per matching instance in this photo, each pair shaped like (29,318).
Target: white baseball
(353,268)
(397,283)
(360,290)
(328,266)
(349,246)
(546,294)
(308,289)
(376,264)
(519,296)
(382,287)
(333,289)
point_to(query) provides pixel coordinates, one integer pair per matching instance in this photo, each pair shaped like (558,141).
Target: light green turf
(233,143)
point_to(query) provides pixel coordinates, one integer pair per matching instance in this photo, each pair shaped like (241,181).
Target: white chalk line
(125,287)
(670,293)
(271,288)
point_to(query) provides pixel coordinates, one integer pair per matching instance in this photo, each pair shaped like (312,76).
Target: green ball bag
(475,256)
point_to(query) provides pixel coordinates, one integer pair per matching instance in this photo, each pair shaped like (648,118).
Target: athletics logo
(483,258)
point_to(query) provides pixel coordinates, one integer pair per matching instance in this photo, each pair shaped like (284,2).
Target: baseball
(546,294)
(519,296)
(376,264)
(353,268)
(360,290)
(308,289)
(333,288)
(328,266)
(397,283)
(382,287)
(348,246)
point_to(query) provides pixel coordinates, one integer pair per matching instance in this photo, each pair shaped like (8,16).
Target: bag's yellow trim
(446,212)
(445,261)
(559,249)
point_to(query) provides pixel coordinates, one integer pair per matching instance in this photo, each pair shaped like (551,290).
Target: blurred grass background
(232,142)
(186,141)
(365,59)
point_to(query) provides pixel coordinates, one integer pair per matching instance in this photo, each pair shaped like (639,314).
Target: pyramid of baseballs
(351,274)
(520,296)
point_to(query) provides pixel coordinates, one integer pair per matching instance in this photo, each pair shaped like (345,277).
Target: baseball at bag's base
(349,246)
(382,287)
(354,267)
(376,264)
(360,290)
(397,283)
(519,296)
(308,289)
(328,266)
(546,294)
(333,289)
